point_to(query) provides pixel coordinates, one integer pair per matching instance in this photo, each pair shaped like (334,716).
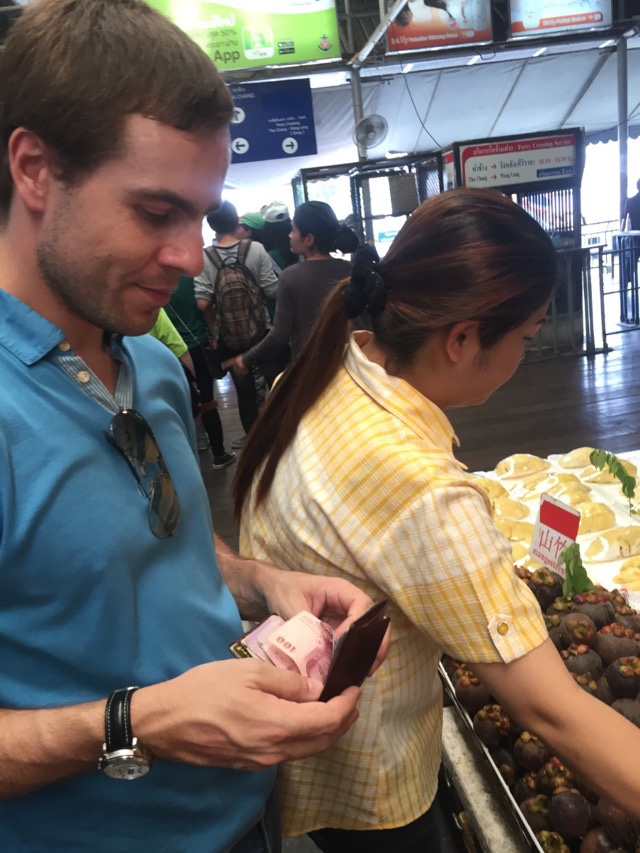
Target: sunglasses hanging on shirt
(132,436)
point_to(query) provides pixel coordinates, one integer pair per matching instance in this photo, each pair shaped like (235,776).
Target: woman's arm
(279,334)
(598,744)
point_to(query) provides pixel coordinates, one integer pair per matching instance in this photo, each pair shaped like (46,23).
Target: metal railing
(597,296)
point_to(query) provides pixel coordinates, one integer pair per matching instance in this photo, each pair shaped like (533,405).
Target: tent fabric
(426,110)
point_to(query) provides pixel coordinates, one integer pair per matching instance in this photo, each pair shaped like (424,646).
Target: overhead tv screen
(440,23)
(537,17)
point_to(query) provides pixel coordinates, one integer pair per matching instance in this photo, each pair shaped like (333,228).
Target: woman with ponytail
(302,288)
(360,481)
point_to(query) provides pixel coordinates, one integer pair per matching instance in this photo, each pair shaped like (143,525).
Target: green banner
(254,33)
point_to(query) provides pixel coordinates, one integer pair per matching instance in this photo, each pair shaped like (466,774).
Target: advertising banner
(440,23)
(253,33)
(536,17)
(272,121)
(529,160)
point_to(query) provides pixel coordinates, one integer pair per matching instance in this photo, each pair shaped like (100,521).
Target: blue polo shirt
(91,600)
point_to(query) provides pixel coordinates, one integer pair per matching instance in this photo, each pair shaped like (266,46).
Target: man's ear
(462,340)
(30,165)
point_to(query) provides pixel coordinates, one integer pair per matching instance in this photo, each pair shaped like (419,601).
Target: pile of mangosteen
(597,635)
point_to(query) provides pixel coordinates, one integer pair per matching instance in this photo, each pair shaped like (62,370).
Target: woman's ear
(462,340)
(30,165)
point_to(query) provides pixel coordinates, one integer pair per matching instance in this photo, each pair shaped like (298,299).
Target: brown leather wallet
(356,651)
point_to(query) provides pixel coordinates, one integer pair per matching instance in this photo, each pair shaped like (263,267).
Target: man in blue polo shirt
(115,620)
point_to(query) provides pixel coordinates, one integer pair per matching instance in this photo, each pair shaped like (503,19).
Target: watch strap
(117,720)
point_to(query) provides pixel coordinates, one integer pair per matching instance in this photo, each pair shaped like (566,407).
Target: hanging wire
(413,103)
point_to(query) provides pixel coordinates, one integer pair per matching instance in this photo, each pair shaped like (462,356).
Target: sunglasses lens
(164,507)
(133,436)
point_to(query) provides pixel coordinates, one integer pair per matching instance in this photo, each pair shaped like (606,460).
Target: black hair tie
(366,290)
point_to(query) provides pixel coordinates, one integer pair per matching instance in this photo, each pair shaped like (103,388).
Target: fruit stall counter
(495,827)
(516,795)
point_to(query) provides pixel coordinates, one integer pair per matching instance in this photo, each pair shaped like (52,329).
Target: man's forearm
(47,745)
(245,578)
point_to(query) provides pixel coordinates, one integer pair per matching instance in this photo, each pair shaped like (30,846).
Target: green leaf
(577,580)
(600,458)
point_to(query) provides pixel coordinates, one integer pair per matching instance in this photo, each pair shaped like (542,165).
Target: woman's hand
(236,364)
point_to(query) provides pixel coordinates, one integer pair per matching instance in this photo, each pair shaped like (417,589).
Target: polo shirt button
(503,628)
(83,376)
(65,346)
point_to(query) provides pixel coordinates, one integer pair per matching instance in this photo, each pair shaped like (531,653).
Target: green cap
(253,220)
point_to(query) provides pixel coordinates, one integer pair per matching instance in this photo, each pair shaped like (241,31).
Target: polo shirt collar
(28,335)
(24,332)
(398,397)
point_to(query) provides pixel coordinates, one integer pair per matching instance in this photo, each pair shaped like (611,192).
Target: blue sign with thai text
(272,121)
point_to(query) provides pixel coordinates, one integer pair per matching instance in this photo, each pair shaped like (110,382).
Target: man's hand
(334,600)
(237,365)
(260,589)
(243,714)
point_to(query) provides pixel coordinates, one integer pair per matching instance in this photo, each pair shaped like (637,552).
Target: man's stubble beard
(80,294)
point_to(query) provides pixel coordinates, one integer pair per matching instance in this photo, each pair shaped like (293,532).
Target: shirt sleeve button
(503,629)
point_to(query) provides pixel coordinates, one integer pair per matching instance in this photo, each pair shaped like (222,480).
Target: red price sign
(556,528)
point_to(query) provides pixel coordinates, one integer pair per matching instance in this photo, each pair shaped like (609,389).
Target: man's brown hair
(73,70)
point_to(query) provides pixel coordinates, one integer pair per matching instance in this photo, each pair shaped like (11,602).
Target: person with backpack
(315,233)
(237,280)
(189,322)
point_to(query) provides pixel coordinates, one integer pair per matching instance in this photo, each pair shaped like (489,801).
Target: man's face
(114,246)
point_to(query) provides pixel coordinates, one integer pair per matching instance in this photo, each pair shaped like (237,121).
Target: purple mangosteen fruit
(551,842)
(546,586)
(530,751)
(604,692)
(613,642)
(578,628)
(582,660)
(597,841)
(506,764)
(535,811)
(596,605)
(492,726)
(623,676)
(554,775)
(586,683)
(553,625)
(471,694)
(570,813)
(626,616)
(561,605)
(617,823)
(525,787)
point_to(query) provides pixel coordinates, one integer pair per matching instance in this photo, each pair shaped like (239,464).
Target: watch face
(128,766)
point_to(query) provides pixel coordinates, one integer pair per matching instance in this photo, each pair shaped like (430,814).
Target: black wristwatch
(123,757)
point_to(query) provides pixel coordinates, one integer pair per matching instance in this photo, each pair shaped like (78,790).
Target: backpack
(238,300)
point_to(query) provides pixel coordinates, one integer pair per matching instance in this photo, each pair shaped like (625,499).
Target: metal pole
(363,181)
(378,33)
(623,129)
(358,112)
(347,11)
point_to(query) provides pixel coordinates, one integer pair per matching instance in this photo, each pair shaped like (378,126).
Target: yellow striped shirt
(369,490)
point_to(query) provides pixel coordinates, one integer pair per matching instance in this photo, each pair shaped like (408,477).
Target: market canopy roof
(433,99)
(445,100)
